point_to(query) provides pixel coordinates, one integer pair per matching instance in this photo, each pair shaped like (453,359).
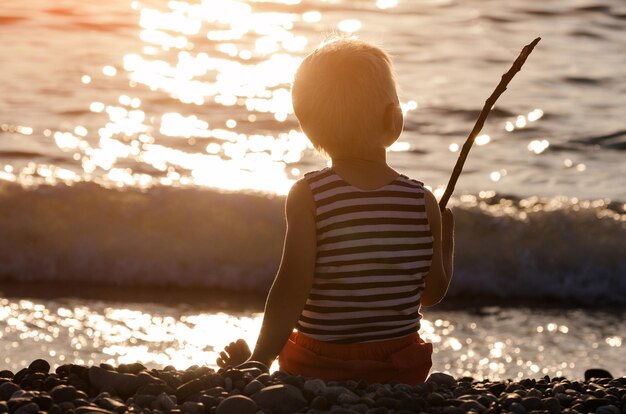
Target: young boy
(365,246)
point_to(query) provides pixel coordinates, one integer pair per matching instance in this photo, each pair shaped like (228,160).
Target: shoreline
(129,388)
(206,298)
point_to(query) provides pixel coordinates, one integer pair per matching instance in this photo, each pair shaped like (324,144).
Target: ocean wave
(525,249)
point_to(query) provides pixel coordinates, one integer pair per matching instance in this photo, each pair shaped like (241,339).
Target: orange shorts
(406,359)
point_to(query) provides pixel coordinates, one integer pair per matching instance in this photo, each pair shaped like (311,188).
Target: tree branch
(478,126)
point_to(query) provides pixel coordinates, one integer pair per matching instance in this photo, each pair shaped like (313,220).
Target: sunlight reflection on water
(115,83)
(493,342)
(224,56)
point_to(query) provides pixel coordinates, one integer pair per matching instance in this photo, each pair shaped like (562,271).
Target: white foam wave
(85,234)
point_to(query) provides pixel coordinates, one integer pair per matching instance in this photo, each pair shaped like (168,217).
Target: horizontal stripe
(375,248)
(371,208)
(405,241)
(372,272)
(367,220)
(316,297)
(338,324)
(374,234)
(339,297)
(316,176)
(423,230)
(362,313)
(374,260)
(345,188)
(401,305)
(337,208)
(360,335)
(362,330)
(406,256)
(365,286)
(367,293)
(405,196)
(325,183)
(349,284)
(374,338)
(409,262)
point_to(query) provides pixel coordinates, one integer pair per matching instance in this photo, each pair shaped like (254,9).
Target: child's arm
(294,278)
(440,274)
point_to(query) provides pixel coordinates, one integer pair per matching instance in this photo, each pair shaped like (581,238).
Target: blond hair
(340,93)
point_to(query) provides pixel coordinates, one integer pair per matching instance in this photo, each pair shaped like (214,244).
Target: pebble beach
(133,388)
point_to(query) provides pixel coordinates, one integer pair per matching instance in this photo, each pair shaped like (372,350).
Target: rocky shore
(133,388)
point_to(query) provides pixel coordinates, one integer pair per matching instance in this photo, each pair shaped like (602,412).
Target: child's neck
(365,171)
(369,158)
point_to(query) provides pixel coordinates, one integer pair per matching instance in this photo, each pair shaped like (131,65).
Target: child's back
(363,248)
(374,250)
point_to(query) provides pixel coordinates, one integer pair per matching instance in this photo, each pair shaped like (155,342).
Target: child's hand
(234,354)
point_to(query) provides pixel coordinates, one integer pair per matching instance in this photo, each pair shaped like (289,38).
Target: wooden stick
(489,103)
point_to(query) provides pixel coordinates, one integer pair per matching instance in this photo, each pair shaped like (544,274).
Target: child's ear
(394,120)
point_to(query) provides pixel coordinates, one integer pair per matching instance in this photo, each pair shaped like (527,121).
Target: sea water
(151,143)
(480,342)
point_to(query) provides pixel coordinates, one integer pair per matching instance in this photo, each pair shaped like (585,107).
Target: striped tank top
(374,250)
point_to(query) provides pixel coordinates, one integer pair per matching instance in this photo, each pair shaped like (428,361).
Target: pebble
(473,405)
(91,410)
(608,409)
(39,365)
(532,403)
(132,388)
(334,393)
(63,393)
(30,408)
(435,399)
(342,410)
(347,397)
(551,405)
(441,379)
(193,407)
(252,387)
(314,386)
(319,403)
(253,372)
(110,404)
(237,404)
(166,402)
(280,399)
(144,400)
(597,373)
(377,410)
(7,390)
(386,402)
(155,389)
(123,384)
(43,401)
(517,408)
(190,388)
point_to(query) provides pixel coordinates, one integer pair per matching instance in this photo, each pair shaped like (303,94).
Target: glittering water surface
(489,342)
(196,93)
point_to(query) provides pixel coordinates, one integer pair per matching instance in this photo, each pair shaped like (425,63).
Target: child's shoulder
(300,196)
(413,182)
(327,174)
(317,174)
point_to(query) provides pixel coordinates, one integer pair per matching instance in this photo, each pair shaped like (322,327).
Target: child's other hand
(447,230)
(447,222)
